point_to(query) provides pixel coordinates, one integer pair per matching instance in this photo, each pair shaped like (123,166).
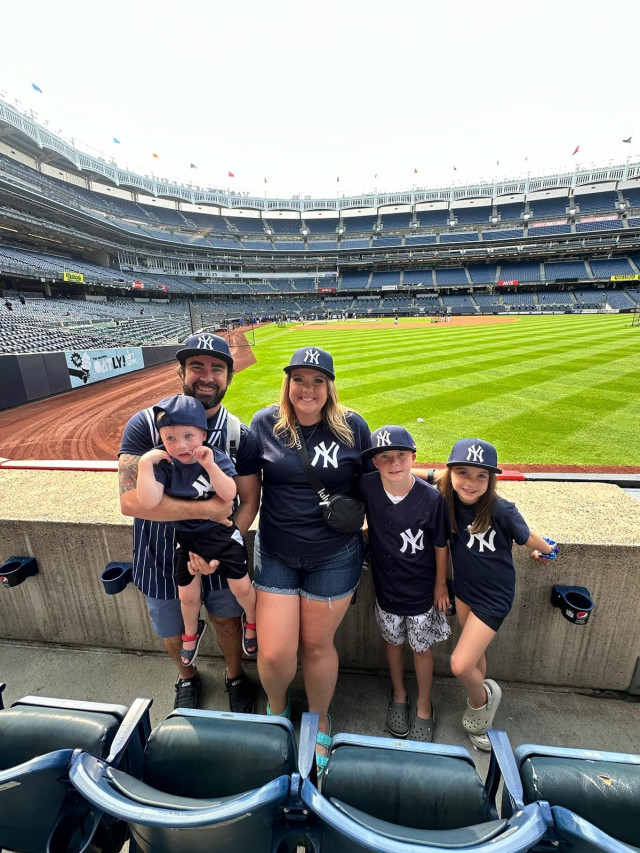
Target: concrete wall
(70,522)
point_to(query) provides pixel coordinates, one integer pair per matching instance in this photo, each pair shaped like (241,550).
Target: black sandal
(249,644)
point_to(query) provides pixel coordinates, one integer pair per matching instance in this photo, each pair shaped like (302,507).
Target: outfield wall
(33,376)
(70,522)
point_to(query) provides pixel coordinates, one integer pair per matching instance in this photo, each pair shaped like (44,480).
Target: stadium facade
(73,224)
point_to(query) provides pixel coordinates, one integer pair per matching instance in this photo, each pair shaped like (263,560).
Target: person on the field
(185,467)
(483,529)
(408,532)
(206,369)
(305,572)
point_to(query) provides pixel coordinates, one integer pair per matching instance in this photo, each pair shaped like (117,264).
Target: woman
(305,572)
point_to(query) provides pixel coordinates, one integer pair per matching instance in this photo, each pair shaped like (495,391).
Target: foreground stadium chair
(211,781)
(39,809)
(594,797)
(395,796)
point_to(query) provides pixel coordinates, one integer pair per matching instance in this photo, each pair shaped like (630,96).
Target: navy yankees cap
(314,358)
(476,453)
(180,410)
(389,438)
(206,343)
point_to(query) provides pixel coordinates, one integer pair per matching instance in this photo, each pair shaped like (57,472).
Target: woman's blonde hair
(334,415)
(483,508)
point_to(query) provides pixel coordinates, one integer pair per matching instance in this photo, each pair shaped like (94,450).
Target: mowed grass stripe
(546,389)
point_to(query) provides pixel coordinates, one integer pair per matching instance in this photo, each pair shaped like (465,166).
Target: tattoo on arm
(128,472)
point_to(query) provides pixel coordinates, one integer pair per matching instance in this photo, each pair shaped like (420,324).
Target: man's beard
(209,400)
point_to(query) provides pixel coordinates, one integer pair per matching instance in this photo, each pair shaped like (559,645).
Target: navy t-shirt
(483,573)
(154,541)
(402,537)
(192,483)
(291,521)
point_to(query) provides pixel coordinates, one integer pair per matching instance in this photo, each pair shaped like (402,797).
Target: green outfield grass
(561,390)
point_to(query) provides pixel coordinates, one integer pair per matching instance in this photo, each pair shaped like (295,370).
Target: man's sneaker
(188,692)
(240,692)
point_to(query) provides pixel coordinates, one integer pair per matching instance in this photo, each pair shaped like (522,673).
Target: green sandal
(323,740)
(286,713)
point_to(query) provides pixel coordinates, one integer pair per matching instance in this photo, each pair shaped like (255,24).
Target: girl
(483,529)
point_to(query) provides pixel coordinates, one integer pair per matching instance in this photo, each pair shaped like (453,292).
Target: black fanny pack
(342,513)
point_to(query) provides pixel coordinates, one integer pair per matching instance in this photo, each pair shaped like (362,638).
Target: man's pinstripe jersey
(153,541)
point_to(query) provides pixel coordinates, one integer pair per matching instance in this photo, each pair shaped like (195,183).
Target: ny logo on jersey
(329,454)
(482,542)
(475,453)
(416,542)
(202,486)
(206,342)
(311,356)
(384,438)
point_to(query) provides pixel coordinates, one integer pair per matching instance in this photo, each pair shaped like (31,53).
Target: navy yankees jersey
(153,541)
(291,521)
(483,573)
(192,483)
(402,537)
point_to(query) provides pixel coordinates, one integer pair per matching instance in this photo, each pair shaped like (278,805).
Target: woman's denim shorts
(331,577)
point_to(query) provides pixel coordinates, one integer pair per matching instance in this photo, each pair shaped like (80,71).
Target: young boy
(184,467)
(408,533)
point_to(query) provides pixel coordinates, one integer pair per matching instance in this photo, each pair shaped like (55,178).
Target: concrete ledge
(71,523)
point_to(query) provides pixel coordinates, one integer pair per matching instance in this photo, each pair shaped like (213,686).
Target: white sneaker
(476,721)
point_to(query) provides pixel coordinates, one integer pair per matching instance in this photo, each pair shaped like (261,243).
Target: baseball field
(547,390)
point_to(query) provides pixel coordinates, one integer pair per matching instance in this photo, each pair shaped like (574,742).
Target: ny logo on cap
(312,356)
(206,342)
(475,453)
(384,438)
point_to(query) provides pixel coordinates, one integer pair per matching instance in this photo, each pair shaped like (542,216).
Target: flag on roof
(36,88)
(376,175)
(230,175)
(265,180)
(193,166)
(415,171)
(576,151)
(117,141)
(628,140)
(155,156)
(338,180)
(455,168)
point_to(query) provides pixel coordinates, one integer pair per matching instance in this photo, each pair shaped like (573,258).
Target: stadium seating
(39,810)
(395,796)
(210,781)
(593,796)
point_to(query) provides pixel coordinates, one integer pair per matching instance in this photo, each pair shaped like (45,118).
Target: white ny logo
(312,356)
(481,540)
(384,438)
(475,452)
(329,454)
(416,542)
(202,486)
(205,342)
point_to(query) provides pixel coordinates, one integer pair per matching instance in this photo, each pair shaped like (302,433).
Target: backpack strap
(233,436)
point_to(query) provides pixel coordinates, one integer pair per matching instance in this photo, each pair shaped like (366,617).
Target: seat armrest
(580,833)
(309,726)
(503,763)
(137,716)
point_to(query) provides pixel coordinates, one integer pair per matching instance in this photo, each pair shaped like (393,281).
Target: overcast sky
(302,93)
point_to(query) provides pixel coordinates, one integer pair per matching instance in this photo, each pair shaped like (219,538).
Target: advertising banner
(87,366)
(509,282)
(625,277)
(77,277)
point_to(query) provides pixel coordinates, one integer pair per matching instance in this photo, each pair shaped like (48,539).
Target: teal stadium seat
(39,809)
(393,796)
(211,781)
(594,796)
